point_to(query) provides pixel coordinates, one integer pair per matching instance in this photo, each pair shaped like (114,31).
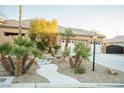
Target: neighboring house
(115,45)
(9,28)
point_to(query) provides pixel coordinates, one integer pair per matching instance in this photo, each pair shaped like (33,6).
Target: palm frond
(19,51)
(22,41)
(5,48)
(82,50)
(36,52)
(68,33)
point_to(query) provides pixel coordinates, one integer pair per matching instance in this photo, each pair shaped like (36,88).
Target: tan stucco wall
(83,38)
(59,37)
(4,38)
(12,30)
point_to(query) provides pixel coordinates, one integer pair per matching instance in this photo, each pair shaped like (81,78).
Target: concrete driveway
(110,60)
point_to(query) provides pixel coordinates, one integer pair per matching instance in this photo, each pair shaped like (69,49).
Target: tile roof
(13,23)
(26,24)
(115,39)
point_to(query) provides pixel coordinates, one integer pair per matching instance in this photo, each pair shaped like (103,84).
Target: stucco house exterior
(115,45)
(9,29)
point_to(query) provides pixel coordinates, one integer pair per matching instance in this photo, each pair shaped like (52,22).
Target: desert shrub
(80,70)
(56,47)
(66,53)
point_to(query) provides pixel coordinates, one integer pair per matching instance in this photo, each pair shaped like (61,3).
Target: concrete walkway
(49,71)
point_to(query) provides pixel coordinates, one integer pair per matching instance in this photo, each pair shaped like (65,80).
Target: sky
(108,20)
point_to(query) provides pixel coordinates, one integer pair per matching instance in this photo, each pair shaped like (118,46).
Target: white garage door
(71,46)
(62,42)
(98,48)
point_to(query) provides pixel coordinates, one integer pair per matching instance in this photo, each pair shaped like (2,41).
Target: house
(9,29)
(115,45)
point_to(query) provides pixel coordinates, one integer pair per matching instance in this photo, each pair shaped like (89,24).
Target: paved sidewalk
(49,85)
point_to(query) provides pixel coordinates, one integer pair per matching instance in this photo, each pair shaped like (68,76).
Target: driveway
(110,60)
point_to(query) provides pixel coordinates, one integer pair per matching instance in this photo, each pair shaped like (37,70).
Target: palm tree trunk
(66,44)
(76,59)
(24,59)
(18,68)
(71,62)
(78,63)
(27,67)
(11,63)
(6,65)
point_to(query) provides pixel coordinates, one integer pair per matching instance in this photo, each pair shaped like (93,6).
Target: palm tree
(68,33)
(4,51)
(20,20)
(21,49)
(82,53)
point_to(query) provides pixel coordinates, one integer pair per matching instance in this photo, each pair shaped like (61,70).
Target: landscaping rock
(112,71)
(58,56)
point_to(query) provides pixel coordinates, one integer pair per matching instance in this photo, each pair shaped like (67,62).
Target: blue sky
(106,19)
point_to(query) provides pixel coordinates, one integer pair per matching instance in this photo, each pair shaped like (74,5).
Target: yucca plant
(20,48)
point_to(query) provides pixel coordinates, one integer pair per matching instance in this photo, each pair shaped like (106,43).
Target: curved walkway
(49,71)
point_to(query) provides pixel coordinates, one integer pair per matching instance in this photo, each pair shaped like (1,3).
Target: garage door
(98,47)
(114,49)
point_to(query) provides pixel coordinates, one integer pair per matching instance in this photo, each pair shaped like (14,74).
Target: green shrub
(66,53)
(56,47)
(80,70)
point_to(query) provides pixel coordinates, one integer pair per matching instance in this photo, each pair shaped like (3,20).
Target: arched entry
(114,49)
